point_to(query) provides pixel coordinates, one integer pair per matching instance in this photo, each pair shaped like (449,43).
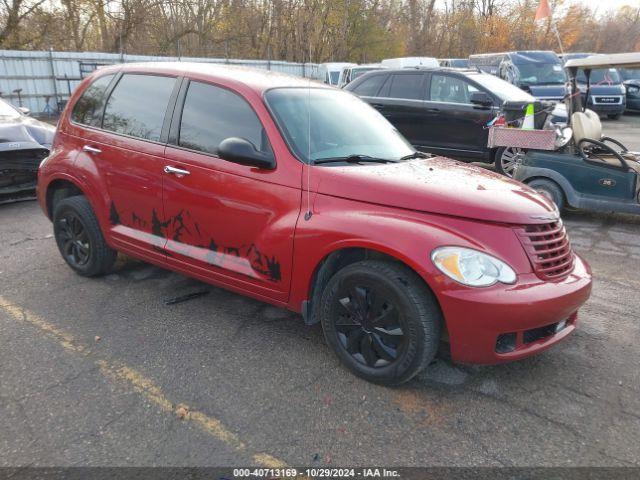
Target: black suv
(442,110)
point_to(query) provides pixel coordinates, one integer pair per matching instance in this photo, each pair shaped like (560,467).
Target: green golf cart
(586,170)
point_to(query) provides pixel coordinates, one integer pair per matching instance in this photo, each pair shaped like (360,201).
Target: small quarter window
(370,86)
(212,114)
(137,106)
(88,108)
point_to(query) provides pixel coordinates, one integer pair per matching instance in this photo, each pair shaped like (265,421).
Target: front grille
(548,248)
(22,159)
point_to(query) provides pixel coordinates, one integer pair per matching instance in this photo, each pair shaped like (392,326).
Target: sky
(607,4)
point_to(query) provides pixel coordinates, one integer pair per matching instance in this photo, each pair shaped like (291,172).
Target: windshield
(334,76)
(630,73)
(501,88)
(603,76)
(341,125)
(7,110)
(541,74)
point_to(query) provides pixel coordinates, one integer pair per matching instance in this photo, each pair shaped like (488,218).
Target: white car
(329,73)
(349,74)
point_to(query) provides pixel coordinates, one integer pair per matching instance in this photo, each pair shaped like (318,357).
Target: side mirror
(24,110)
(243,152)
(481,98)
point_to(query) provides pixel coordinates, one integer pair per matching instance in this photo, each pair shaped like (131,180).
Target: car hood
(603,89)
(546,91)
(22,133)
(438,185)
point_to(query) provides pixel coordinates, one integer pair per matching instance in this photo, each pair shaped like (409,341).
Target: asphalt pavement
(103,372)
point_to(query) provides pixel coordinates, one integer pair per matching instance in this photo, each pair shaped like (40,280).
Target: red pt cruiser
(305,197)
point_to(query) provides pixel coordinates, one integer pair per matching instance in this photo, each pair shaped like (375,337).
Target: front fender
(405,235)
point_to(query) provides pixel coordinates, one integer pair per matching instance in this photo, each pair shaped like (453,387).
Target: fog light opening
(506,343)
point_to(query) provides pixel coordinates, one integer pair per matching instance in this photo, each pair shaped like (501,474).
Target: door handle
(179,172)
(433,110)
(90,149)
(377,105)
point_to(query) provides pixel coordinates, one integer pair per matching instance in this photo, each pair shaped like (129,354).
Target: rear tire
(381,320)
(505,160)
(79,238)
(550,190)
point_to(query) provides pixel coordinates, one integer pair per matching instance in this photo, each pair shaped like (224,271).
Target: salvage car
(631,81)
(303,196)
(443,110)
(538,72)
(24,142)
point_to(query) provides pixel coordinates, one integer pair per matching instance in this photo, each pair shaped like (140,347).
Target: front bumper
(607,109)
(478,318)
(633,103)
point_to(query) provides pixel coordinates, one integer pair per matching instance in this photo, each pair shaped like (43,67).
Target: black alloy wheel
(73,239)
(381,319)
(80,239)
(368,324)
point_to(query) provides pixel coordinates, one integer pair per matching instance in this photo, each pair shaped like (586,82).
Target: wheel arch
(59,189)
(533,173)
(343,255)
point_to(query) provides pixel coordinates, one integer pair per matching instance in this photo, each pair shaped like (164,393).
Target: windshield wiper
(415,154)
(351,159)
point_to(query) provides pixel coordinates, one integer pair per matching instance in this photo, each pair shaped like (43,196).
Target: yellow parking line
(144,386)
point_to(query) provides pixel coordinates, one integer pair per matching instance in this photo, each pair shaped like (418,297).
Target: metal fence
(42,81)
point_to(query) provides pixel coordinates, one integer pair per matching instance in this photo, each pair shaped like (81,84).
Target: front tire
(614,116)
(381,320)
(79,238)
(550,190)
(505,160)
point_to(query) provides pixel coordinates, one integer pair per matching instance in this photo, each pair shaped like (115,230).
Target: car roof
(256,79)
(522,56)
(419,68)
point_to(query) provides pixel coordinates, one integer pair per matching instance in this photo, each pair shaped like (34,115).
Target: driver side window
(212,114)
(448,89)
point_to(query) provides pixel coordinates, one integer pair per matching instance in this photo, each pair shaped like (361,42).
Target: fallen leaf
(97,338)
(182,411)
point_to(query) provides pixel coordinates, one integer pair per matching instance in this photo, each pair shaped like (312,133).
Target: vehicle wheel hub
(369,326)
(509,160)
(74,239)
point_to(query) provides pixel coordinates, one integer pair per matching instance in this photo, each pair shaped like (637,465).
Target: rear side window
(407,86)
(212,114)
(370,86)
(137,106)
(88,108)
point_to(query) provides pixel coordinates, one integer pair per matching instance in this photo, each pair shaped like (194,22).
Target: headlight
(471,267)
(633,90)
